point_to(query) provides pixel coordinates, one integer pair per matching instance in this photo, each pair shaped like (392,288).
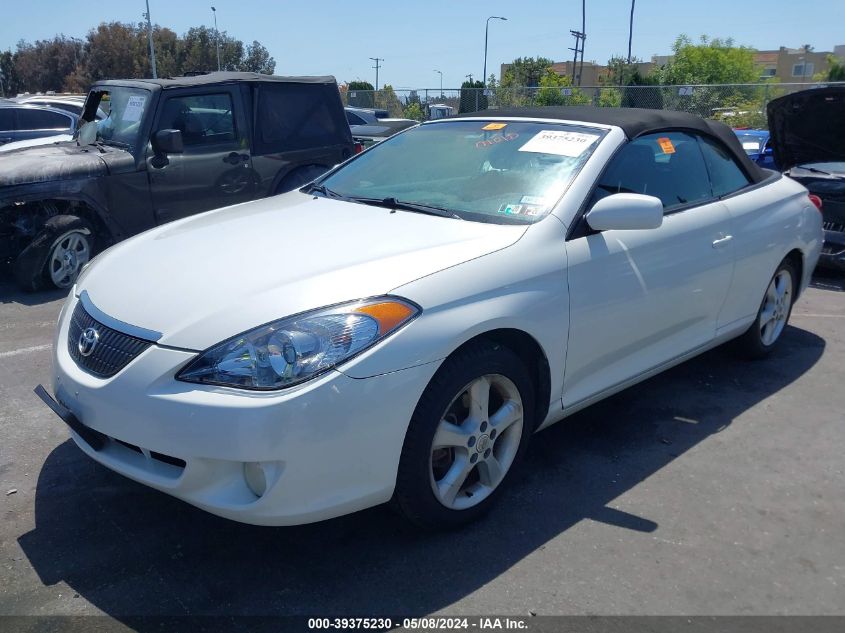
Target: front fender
(522,287)
(31,261)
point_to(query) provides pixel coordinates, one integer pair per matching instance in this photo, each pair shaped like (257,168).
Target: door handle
(722,241)
(234,158)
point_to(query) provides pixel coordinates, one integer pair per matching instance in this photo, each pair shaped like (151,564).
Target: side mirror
(626,211)
(768,152)
(168,142)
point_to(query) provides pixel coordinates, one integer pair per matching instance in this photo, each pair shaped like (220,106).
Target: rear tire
(468,433)
(772,317)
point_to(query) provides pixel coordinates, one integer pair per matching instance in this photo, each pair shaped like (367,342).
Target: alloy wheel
(70,253)
(776,306)
(476,441)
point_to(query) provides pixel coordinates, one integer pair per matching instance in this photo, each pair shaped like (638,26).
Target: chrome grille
(113,351)
(834,226)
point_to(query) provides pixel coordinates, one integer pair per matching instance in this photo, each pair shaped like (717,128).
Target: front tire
(775,309)
(467,434)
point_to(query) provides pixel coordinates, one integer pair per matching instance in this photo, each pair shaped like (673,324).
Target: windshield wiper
(325,191)
(820,171)
(393,203)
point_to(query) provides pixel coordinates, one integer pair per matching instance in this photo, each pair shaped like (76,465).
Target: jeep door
(215,168)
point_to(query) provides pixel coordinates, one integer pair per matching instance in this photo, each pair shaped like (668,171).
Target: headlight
(298,348)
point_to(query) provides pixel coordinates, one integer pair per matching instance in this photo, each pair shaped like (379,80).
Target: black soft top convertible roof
(214,78)
(636,122)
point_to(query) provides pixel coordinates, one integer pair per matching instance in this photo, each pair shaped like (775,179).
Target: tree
(386,99)
(472,97)
(258,59)
(45,64)
(525,71)
(361,94)
(642,92)
(836,69)
(9,82)
(414,111)
(557,90)
(713,61)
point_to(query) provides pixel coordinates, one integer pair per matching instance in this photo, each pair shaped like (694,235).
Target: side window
(354,119)
(35,119)
(7,119)
(202,119)
(667,165)
(725,175)
(298,116)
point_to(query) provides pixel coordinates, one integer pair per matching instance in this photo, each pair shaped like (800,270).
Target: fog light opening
(256,478)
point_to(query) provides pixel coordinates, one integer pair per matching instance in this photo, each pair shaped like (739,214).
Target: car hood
(206,278)
(808,127)
(47,163)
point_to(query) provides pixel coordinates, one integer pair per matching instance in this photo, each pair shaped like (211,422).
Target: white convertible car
(398,329)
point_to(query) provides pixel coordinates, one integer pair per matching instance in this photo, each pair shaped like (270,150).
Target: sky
(337,37)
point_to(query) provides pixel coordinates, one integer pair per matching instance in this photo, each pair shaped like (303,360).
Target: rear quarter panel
(768,222)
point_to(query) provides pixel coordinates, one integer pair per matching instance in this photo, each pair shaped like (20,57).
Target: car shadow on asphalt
(10,293)
(131,551)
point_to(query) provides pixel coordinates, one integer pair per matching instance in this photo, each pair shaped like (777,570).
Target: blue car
(756,145)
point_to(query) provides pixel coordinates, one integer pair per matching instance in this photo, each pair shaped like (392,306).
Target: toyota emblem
(88,341)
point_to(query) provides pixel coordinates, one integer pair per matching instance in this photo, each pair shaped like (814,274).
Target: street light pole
(630,31)
(441,81)
(216,38)
(150,37)
(486,31)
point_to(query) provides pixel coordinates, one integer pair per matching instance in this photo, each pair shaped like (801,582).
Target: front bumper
(326,448)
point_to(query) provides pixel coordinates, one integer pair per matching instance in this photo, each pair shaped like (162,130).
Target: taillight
(817,202)
(358,148)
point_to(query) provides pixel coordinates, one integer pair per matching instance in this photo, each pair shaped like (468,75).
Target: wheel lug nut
(471,441)
(473,458)
(483,426)
(487,453)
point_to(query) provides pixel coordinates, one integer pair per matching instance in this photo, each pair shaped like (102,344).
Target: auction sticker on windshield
(571,144)
(134,108)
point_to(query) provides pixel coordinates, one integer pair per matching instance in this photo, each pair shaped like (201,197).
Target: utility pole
(578,48)
(377,66)
(150,37)
(583,38)
(216,38)
(630,31)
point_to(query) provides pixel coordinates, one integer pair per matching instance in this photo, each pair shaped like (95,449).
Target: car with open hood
(808,141)
(166,149)
(400,328)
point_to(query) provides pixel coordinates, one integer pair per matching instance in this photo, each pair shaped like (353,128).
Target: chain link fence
(739,105)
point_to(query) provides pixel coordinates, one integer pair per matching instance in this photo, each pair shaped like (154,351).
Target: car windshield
(126,109)
(482,170)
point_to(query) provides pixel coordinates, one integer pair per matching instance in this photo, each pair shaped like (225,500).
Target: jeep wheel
(68,254)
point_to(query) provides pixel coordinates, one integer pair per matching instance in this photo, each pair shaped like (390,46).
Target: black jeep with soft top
(168,148)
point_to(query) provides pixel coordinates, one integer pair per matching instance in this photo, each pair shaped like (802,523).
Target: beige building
(795,65)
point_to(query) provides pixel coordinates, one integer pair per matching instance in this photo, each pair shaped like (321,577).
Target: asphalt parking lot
(715,488)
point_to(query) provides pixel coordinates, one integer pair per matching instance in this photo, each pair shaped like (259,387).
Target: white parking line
(820,316)
(25,350)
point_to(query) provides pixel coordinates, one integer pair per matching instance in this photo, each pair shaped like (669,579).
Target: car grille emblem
(88,341)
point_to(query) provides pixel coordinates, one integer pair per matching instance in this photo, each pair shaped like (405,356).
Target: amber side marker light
(389,314)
